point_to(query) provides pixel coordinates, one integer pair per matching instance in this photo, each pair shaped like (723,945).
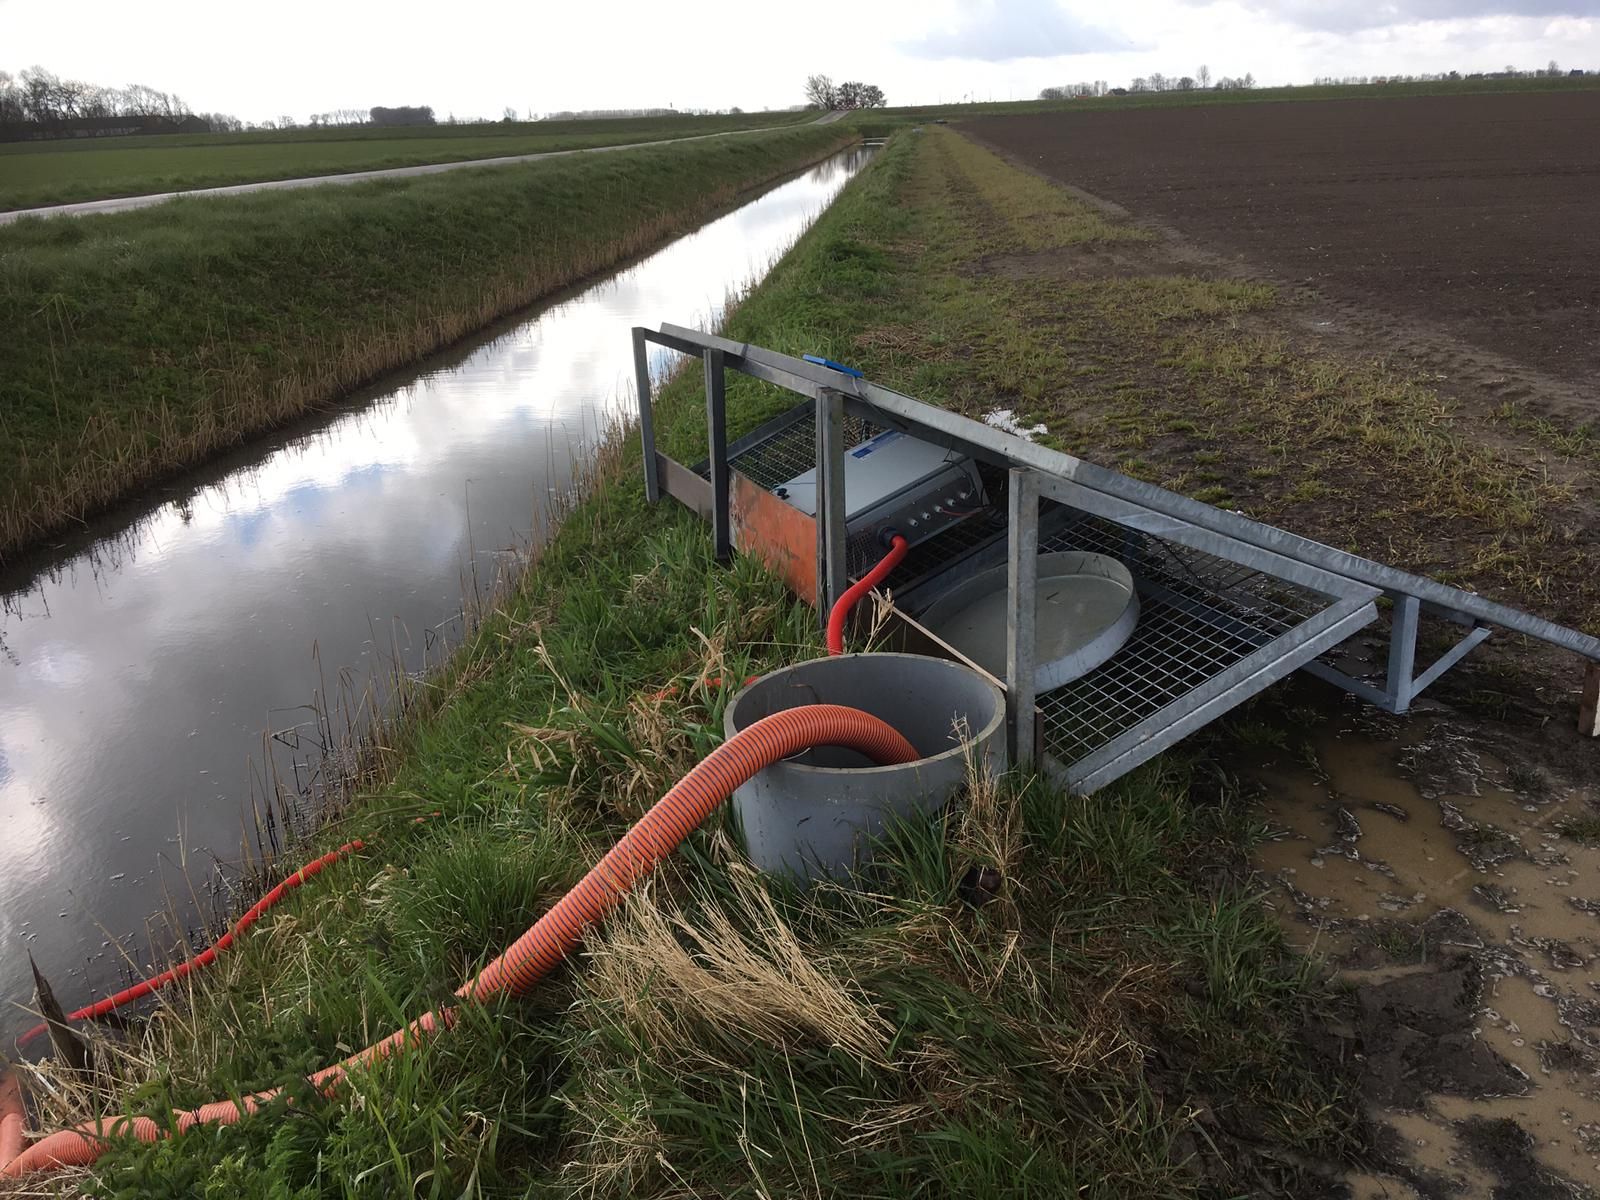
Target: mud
(1424,860)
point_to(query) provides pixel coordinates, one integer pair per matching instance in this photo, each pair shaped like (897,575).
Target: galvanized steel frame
(1351,583)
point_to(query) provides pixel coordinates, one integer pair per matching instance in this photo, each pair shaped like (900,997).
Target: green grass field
(40,173)
(138,343)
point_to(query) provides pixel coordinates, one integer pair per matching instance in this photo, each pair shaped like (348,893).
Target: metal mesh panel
(1199,615)
(792,451)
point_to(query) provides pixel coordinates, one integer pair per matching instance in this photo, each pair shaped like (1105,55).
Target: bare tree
(820,92)
(1203,76)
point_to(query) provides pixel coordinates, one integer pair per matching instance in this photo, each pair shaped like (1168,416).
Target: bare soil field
(1472,216)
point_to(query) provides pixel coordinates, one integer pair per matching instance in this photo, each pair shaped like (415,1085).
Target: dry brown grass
(683,984)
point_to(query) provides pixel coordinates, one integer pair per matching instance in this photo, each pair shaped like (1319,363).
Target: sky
(478,57)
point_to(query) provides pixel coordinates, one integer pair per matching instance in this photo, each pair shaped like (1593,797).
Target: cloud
(1002,30)
(1348,16)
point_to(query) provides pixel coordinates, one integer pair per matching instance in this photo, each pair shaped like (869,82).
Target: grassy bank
(62,172)
(139,343)
(1118,1018)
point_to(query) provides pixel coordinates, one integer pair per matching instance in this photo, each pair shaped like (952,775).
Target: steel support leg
(1022,588)
(1402,651)
(832,568)
(717,444)
(647,425)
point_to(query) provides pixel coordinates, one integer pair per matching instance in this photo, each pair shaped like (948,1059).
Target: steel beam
(717,450)
(832,568)
(1359,688)
(1402,651)
(1171,529)
(1450,658)
(997,445)
(1022,587)
(684,485)
(1402,684)
(695,343)
(647,425)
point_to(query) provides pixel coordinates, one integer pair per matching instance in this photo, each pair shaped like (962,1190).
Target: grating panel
(1199,615)
(791,451)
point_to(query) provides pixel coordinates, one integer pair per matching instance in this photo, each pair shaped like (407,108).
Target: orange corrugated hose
(206,957)
(841,608)
(10,1116)
(542,947)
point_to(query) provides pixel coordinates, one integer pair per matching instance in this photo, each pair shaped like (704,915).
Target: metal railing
(1339,589)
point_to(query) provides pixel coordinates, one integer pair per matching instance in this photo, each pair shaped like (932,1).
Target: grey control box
(894,481)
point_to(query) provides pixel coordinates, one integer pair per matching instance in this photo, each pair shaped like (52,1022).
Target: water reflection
(140,668)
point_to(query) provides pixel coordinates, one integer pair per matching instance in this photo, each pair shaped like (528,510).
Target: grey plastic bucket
(813,815)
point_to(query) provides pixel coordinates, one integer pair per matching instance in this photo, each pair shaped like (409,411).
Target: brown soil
(1472,215)
(1424,858)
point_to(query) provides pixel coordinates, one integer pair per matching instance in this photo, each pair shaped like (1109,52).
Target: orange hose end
(898,548)
(11,1116)
(657,834)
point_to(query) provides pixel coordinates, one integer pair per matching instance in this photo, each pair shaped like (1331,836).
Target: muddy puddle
(1456,891)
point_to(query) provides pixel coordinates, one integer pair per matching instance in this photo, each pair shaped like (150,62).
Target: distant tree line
(341,116)
(1070,90)
(39,103)
(1551,71)
(1201,80)
(607,114)
(823,93)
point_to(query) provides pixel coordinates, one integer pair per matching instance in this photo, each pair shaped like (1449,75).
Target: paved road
(124,203)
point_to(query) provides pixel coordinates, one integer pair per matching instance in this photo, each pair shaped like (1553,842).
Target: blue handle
(828,362)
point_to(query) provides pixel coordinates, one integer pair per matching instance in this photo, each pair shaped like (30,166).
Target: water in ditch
(154,670)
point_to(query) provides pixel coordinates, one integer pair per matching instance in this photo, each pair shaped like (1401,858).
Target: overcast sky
(475,57)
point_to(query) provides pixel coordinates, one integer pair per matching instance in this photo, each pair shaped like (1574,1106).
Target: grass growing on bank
(139,343)
(62,172)
(1119,1019)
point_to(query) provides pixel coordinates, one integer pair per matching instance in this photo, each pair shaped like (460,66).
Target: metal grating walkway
(1199,616)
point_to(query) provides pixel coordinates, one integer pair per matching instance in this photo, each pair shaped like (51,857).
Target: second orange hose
(669,821)
(898,548)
